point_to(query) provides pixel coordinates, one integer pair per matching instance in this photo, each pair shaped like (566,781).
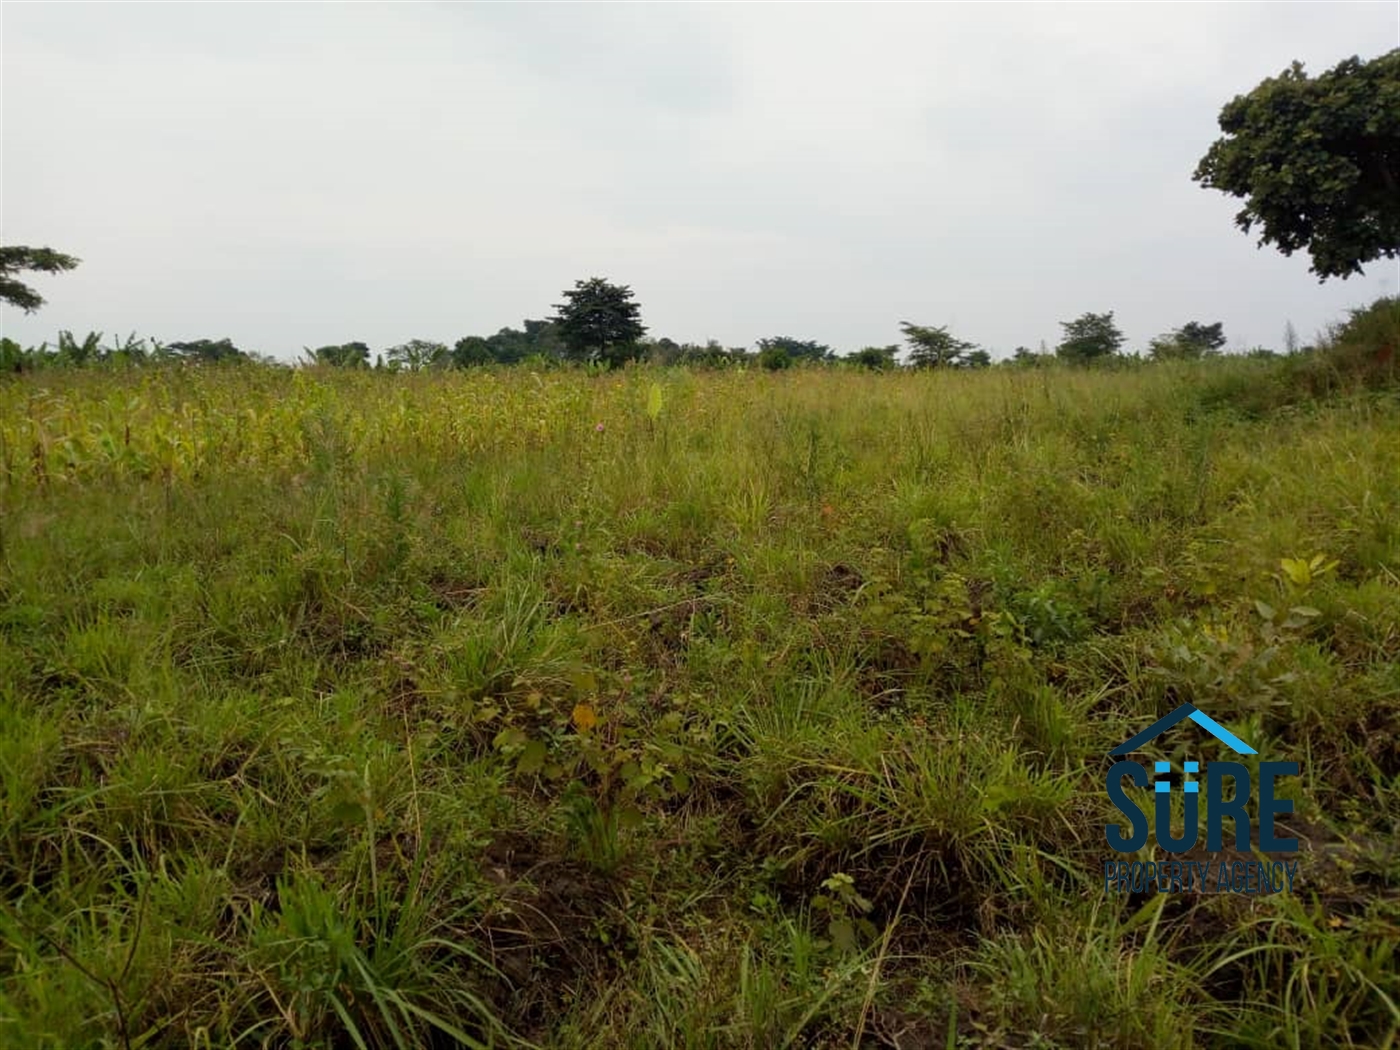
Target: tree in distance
(934,347)
(1191,341)
(1290,338)
(471,350)
(16,259)
(666,352)
(1317,162)
(600,323)
(1088,338)
(509,346)
(876,358)
(344,355)
(1025,357)
(711,355)
(796,349)
(1209,337)
(206,351)
(417,355)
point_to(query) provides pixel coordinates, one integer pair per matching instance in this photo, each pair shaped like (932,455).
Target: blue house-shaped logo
(1183,806)
(1190,711)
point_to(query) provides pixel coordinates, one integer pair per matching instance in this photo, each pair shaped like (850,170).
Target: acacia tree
(14,259)
(1317,162)
(1089,337)
(599,322)
(934,347)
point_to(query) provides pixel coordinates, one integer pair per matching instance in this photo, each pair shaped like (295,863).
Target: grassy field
(679,709)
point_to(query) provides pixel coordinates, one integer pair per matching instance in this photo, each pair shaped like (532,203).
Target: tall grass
(505,708)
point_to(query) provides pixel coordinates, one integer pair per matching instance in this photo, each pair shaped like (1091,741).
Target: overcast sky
(293,175)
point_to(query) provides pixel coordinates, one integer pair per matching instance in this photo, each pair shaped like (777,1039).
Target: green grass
(348,710)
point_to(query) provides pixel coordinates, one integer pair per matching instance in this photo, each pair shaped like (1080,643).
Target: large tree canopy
(934,347)
(14,259)
(600,322)
(1089,337)
(1317,162)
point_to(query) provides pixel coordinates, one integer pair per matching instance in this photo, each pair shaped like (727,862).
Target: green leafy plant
(845,911)
(1300,573)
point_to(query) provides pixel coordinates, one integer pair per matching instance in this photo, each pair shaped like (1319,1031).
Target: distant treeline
(1090,339)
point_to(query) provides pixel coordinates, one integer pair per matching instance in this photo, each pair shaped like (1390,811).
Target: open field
(681,709)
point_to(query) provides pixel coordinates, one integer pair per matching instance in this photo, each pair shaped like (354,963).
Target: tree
(416,355)
(875,358)
(711,355)
(797,349)
(15,259)
(664,351)
(934,347)
(543,339)
(206,351)
(978,358)
(539,339)
(13,357)
(1190,342)
(1025,357)
(599,322)
(508,346)
(1168,347)
(1317,162)
(344,355)
(774,358)
(1089,337)
(471,350)
(1208,337)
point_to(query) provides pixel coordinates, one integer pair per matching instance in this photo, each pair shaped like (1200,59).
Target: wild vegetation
(683,708)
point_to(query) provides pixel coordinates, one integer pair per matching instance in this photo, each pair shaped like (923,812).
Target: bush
(1369,337)
(774,358)
(1357,354)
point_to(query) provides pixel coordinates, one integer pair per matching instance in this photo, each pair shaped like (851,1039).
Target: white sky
(293,175)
